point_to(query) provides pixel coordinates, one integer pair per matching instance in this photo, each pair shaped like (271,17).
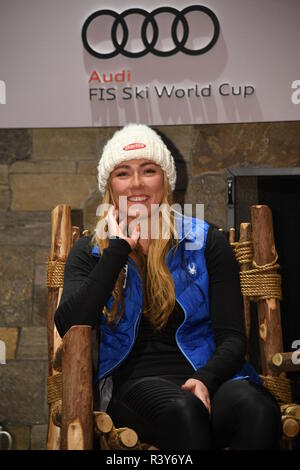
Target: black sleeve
(226,309)
(88,282)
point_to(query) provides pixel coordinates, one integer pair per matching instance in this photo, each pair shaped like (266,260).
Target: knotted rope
(243,251)
(259,282)
(54,388)
(55,272)
(279,386)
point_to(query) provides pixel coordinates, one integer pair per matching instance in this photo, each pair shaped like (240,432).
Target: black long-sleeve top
(89,282)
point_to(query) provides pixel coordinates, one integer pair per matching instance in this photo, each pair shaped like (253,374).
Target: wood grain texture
(246,236)
(77,416)
(61,239)
(270,332)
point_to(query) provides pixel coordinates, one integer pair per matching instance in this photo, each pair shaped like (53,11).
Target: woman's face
(141,180)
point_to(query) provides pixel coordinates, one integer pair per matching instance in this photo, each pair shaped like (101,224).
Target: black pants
(243,415)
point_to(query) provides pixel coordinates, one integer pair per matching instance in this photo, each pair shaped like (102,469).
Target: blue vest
(194,336)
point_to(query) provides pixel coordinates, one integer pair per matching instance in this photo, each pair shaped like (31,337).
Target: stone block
(179,140)
(4,174)
(41,259)
(43,167)
(44,192)
(15,144)
(20,436)
(4,197)
(103,135)
(23,392)
(40,277)
(209,190)
(40,299)
(88,168)
(16,283)
(25,229)
(40,306)
(10,338)
(219,147)
(33,343)
(39,437)
(65,144)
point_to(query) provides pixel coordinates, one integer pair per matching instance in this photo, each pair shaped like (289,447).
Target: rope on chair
(279,386)
(54,397)
(54,388)
(55,272)
(243,251)
(257,283)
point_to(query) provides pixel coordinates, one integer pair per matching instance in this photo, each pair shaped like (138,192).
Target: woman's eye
(121,174)
(150,170)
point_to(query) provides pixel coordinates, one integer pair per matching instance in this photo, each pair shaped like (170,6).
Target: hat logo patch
(134,146)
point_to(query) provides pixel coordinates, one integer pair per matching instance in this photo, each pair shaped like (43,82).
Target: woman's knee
(259,405)
(247,414)
(187,413)
(187,422)
(262,424)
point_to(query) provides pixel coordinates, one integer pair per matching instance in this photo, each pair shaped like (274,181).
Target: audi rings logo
(149,45)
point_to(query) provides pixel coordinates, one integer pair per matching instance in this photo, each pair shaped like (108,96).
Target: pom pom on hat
(131,142)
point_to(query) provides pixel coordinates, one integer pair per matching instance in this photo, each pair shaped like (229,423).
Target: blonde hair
(157,282)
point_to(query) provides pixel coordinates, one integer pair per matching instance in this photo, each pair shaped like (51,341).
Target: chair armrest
(77,396)
(285,362)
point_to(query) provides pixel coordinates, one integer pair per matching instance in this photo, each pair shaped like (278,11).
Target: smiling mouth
(138,198)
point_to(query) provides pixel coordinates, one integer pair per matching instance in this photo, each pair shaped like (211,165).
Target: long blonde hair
(157,282)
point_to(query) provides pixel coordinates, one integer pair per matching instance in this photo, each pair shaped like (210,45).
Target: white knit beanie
(135,141)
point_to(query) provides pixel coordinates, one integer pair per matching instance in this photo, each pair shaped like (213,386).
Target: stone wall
(41,168)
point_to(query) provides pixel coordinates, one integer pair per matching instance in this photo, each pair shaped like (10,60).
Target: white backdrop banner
(74,63)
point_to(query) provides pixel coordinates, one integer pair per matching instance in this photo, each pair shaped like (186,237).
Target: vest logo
(192,269)
(2,352)
(2,92)
(134,146)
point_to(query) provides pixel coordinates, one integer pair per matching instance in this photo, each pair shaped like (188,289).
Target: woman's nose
(136,179)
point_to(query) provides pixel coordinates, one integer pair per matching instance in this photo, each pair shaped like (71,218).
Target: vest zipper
(135,327)
(124,357)
(177,337)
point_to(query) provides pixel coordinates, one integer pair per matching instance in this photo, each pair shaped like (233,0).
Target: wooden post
(269,318)
(75,234)
(77,416)
(246,236)
(283,362)
(112,438)
(60,247)
(290,427)
(232,235)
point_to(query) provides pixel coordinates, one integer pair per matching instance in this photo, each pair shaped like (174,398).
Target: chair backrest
(72,428)
(71,398)
(261,283)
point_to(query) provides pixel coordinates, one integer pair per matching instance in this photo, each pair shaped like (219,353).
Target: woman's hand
(197,388)
(115,229)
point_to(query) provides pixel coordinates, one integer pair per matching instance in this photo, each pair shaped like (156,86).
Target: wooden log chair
(74,424)
(261,283)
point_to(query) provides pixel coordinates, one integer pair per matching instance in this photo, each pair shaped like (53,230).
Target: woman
(170,310)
